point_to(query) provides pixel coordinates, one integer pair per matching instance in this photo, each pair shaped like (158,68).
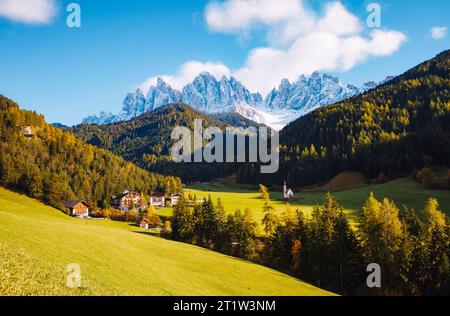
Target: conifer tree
(438,241)
(382,234)
(270,220)
(183,222)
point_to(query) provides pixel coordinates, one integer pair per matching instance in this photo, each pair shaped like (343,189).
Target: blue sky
(70,73)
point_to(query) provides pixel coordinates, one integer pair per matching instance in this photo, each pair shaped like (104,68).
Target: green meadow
(37,243)
(403,191)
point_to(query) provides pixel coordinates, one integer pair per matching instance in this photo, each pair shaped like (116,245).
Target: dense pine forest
(54,165)
(390,131)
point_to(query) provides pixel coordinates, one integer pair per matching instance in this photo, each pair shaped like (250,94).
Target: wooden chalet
(27,132)
(79,209)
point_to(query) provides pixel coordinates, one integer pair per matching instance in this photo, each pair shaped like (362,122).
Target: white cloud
(299,41)
(438,32)
(187,73)
(318,51)
(339,21)
(28,11)
(233,16)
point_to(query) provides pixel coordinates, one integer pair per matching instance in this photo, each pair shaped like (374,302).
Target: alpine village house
(79,209)
(127,201)
(160,200)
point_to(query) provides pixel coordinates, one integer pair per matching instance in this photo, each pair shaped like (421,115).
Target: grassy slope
(403,191)
(38,242)
(345,181)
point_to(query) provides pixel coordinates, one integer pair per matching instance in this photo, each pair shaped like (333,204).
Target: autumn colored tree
(264,192)
(438,241)
(270,220)
(382,233)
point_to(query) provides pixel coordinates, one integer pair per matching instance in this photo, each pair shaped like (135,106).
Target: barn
(79,209)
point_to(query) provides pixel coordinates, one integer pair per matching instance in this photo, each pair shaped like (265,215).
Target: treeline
(325,250)
(398,127)
(54,165)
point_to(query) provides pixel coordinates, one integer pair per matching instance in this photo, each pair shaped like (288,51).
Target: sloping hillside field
(37,243)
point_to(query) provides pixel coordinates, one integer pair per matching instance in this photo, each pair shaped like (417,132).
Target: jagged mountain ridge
(228,95)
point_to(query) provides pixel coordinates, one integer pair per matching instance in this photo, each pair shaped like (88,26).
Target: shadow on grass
(148,233)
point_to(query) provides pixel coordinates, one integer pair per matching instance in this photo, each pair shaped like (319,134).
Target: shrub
(426,177)
(167,228)
(154,221)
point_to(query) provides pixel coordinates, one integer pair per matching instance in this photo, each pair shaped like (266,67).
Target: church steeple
(288,194)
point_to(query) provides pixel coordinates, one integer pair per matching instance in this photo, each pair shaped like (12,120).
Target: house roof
(72,204)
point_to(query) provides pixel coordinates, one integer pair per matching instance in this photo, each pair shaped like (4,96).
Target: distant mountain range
(206,94)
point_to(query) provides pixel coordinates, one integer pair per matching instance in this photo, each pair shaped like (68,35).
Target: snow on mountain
(102,118)
(280,107)
(134,104)
(207,94)
(160,95)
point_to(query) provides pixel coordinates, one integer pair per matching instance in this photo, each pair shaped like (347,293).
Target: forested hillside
(389,131)
(53,165)
(236,120)
(146,141)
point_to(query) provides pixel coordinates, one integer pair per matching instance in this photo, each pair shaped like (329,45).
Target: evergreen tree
(270,220)
(322,231)
(8,172)
(414,251)
(183,222)
(382,235)
(438,241)
(168,188)
(173,186)
(52,192)
(347,256)
(240,235)
(209,225)
(179,185)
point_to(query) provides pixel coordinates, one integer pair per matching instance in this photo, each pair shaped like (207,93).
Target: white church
(288,194)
